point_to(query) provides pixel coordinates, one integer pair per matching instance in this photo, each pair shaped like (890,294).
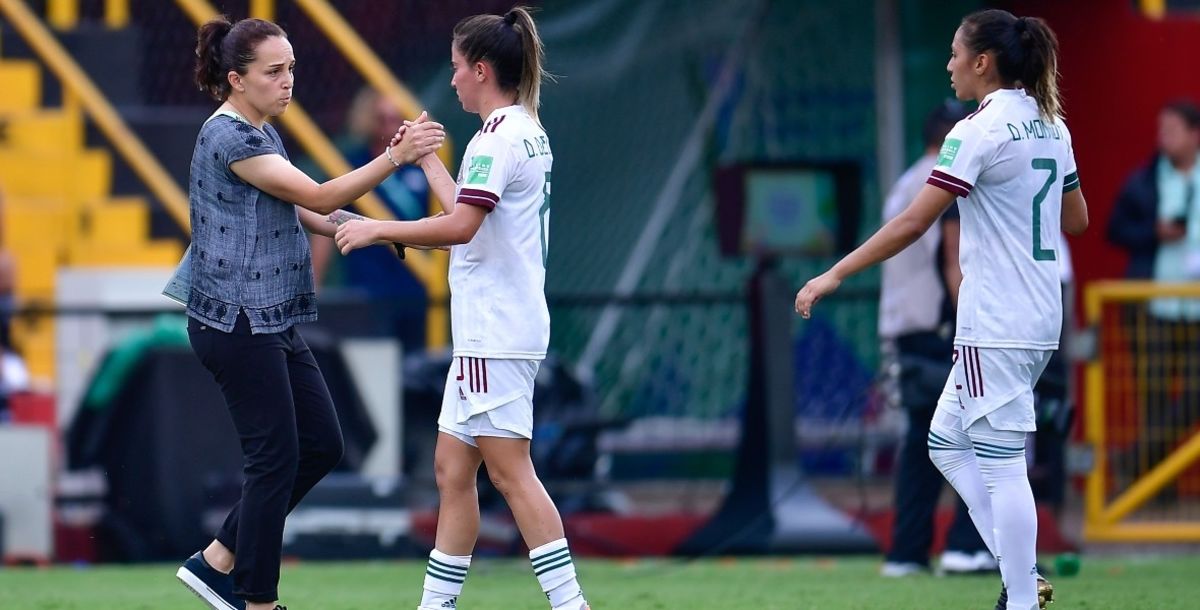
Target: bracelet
(388,151)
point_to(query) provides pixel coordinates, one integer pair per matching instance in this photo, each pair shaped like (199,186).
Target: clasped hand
(418,138)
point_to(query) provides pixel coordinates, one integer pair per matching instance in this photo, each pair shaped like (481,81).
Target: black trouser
(919,483)
(1055,416)
(290,438)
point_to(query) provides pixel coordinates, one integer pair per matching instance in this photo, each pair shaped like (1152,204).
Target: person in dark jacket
(1135,225)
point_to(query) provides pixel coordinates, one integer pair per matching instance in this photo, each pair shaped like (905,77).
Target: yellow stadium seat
(33,222)
(91,176)
(21,82)
(35,268)
(119,222)
(43,131)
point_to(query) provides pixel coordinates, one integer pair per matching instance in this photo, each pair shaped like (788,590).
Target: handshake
(415,139)
(341,217)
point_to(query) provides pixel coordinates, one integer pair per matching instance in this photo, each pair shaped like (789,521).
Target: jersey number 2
(1049,165)
(544,219)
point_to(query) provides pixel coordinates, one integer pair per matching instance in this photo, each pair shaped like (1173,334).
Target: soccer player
(497,224)
(917,297)
(1012,168)
(252,282)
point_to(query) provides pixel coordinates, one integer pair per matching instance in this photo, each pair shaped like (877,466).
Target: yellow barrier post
(1158,477)
(1094,424)
(1108,519)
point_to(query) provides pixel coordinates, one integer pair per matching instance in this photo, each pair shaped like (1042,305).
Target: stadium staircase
(59,208)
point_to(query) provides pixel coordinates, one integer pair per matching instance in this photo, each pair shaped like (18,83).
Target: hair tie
(510,17)
(1022,24)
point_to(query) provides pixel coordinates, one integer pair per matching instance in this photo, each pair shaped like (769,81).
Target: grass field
(754,584)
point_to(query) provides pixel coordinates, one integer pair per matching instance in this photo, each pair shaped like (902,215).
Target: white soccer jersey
(497,280)
(1009,168)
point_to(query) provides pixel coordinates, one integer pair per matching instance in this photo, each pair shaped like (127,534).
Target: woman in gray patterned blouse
(251,283)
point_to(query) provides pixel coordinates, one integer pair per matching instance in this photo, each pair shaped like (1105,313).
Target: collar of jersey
(505,110)
(1004,93)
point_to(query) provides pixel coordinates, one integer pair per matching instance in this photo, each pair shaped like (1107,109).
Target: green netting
(636,78)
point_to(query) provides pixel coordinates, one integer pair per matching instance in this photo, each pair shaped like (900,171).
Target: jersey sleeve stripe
(1071,182)
(479,198)
(950,183)
(953,180)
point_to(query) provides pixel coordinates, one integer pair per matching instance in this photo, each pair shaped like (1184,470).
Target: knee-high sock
(1001,457)
(950,450)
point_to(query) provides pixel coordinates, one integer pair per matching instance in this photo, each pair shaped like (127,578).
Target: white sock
(444,579)
(1001,455)
(556,573)
(950,450)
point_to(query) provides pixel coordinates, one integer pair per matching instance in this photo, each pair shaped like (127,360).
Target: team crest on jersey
(949,152)
(481,168)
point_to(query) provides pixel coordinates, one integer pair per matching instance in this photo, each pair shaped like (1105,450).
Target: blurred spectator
(1156,220)
(916,323)
(1153,212)
(375,273)
(14,377)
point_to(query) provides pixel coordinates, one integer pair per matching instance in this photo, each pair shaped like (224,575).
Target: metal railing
(1141,396)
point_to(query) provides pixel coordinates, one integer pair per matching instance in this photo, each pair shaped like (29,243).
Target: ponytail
(1025,51)
(222,46)
(534,55)
(1040,70)
(208,74)
(513,48)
